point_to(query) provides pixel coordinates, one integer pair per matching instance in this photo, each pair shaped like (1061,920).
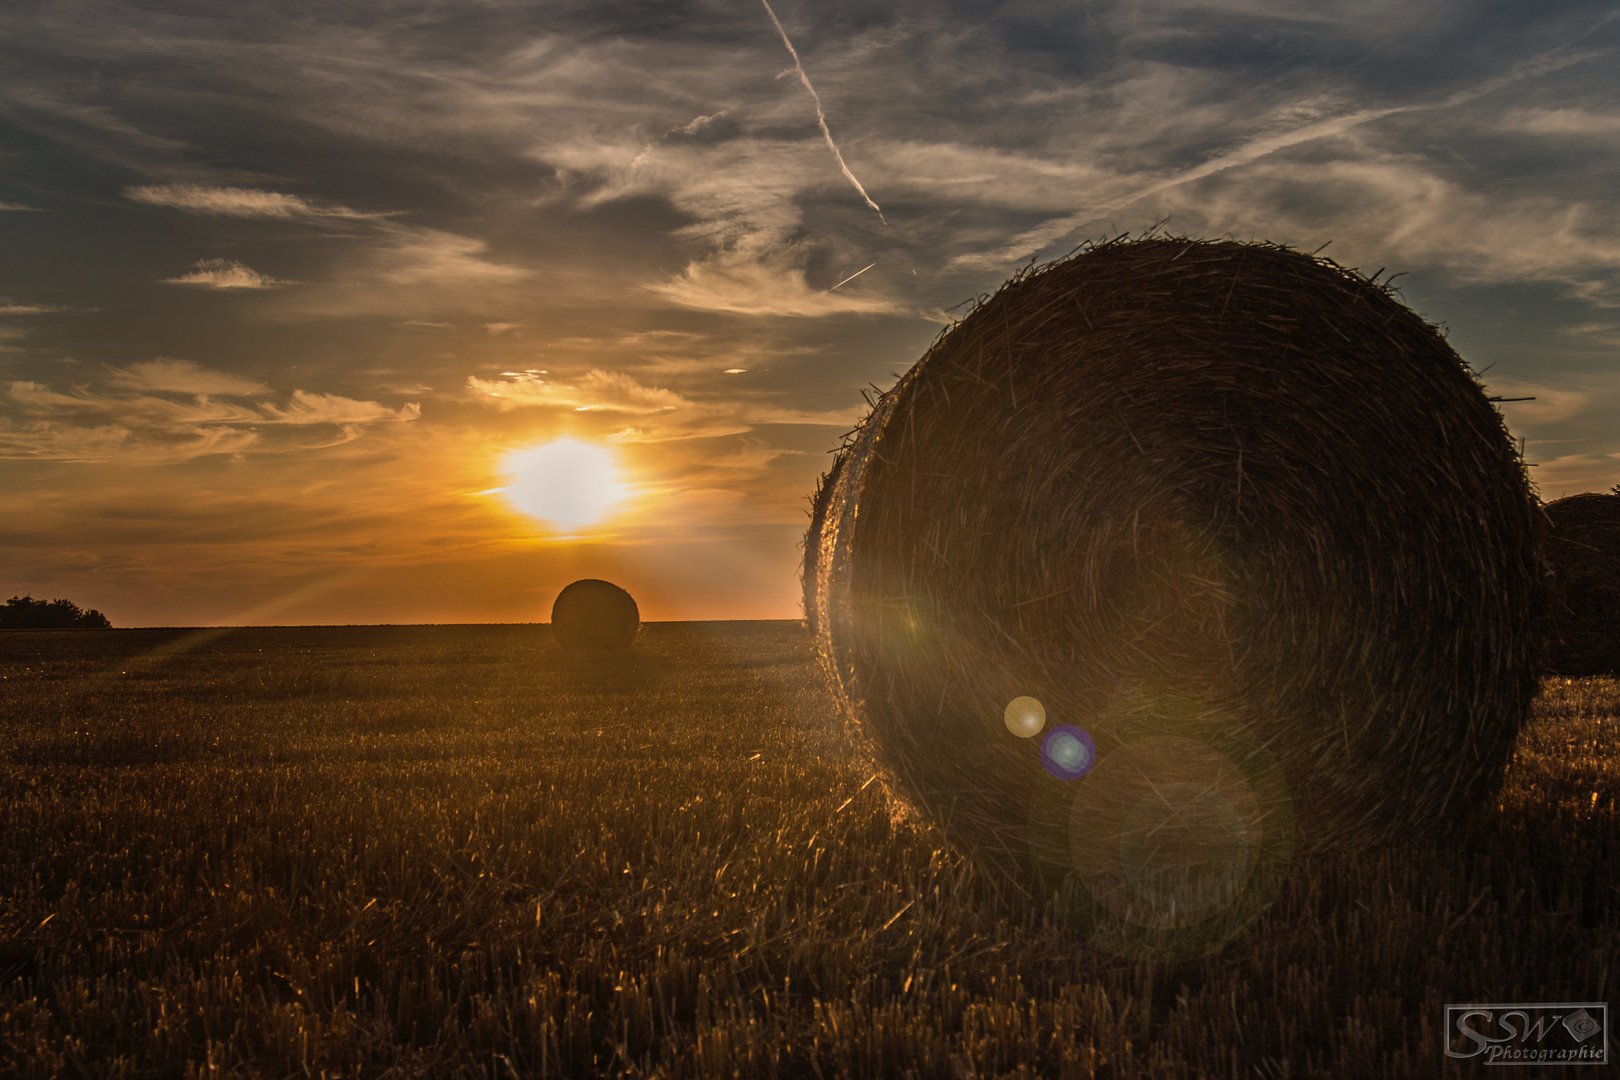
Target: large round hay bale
(1583,553)
(812,550)
(1232,512)
(595,614)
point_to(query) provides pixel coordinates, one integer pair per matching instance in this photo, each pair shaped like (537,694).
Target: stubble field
(458,851)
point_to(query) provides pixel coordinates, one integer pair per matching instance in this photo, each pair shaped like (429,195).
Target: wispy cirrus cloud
(655,414)
(1288,133)
(596,390)
(168,410)
(1563,122)
(750,281)
(168,374)
(238,202)
(392,253)
(42,440)
(1393,207)
(306,408)
(412,255)
(225,274)
(741,196)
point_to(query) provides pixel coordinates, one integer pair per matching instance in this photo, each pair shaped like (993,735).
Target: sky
(286,288)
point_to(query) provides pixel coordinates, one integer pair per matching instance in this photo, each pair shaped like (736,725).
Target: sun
(567,482)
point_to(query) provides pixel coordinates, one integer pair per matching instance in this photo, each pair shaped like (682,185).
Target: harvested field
(464,852)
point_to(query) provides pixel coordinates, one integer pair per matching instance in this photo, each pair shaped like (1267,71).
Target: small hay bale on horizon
(595,615)
(1583,554)
(1233,512)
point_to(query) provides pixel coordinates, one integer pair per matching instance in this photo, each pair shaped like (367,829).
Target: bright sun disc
(567,482)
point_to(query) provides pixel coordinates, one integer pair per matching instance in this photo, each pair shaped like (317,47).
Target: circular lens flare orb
(1185,847)
(1068,752)
(567,482)
(1024,716)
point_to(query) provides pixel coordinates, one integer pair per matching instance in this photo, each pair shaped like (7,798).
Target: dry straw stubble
(1232,509)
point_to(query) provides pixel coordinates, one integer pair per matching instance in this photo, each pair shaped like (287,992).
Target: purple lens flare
(1068,752)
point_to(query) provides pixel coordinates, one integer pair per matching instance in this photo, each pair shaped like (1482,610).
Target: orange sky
(280,290)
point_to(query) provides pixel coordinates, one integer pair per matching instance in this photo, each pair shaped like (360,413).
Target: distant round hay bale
(1231,509)
(1583,552)
(595,614)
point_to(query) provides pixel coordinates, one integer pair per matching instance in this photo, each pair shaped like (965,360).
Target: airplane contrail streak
(821,117)
(855,275)
(1033,240)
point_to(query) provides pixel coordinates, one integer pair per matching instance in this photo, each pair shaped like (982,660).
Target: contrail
(1255,149)
(821,117)
(859,272)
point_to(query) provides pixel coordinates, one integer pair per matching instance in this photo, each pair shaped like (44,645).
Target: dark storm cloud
(623,219)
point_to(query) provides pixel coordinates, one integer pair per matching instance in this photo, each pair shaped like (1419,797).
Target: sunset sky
(283,286)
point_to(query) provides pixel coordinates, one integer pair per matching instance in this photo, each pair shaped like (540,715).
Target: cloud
(597,390)
(224,274)
(26,309)
(1582,123)
(37,399)
(661,415)
(397,254)
(1547,404)
(42,441)
(1571,474)
(1399,209)
(4,206)
(1288,127)
(741,283)
(169,410)
(821,117)
(741,197)
(236,202)
(412,255)
(307,408)
(697,124)
(501,327)
(184,377)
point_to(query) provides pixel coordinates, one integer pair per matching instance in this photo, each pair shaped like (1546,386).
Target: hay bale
(1583,554)
(812,550)
(596,615)
(1231,509)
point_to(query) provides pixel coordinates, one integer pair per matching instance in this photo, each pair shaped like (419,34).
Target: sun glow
(567,482)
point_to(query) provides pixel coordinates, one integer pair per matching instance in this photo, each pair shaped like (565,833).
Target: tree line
(26,613)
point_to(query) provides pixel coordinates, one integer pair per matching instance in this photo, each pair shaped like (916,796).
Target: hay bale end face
(591,614)
(1583,553)
(1232,510)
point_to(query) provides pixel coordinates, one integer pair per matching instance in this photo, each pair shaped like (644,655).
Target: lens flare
(1024,716)
(1068,752)
(1185,847)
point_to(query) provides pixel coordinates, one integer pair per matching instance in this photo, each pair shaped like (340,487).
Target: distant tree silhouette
(26,613)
